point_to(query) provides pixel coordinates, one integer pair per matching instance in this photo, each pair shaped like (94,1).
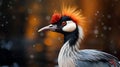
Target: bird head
(67,21)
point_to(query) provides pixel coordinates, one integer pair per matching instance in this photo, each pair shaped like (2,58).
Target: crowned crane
(69,22)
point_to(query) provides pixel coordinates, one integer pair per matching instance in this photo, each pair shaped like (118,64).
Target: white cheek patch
(70,27)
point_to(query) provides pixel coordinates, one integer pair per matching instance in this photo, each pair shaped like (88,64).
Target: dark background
(22,46)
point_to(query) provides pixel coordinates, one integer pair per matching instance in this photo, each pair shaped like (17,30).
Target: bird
(70,22)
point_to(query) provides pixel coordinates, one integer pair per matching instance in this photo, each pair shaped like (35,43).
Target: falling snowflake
(105,28)
(41,34)
(103,15)
(6,22)
(30,11)
(13,17)
(102,23)
(98,12)
(35,19)
(47,17)
(109,28)
(2,25)
(31,56)
(102,35)
(96,31)
(109,16)
(4,16)
(34,46)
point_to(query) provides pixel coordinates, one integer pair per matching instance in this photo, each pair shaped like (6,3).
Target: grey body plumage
(70,55)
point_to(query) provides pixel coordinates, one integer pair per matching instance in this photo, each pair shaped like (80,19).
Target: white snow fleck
(115,52)
(112,5)
(6,22)
(98,12)
(4,16)
(102,23)
(47,17)
(30,11)
(109,28)
(35,19)
(99,20)
(109,16)
(13,17)
(96,35)
(105,28)
(15,65)
(8,5)
(103,15)
(102,35)
(31,56)
(96,31)
(2,25)
(59,38)
(26,18)
(34,45)
(41,34)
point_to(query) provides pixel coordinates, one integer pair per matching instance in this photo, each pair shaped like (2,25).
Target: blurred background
(22,46)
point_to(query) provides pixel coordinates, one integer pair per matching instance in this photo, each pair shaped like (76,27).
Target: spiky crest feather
(73,13)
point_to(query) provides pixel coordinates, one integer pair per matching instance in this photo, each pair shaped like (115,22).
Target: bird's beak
(49,27)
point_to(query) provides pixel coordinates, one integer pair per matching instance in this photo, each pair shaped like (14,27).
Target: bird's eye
(64,23)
